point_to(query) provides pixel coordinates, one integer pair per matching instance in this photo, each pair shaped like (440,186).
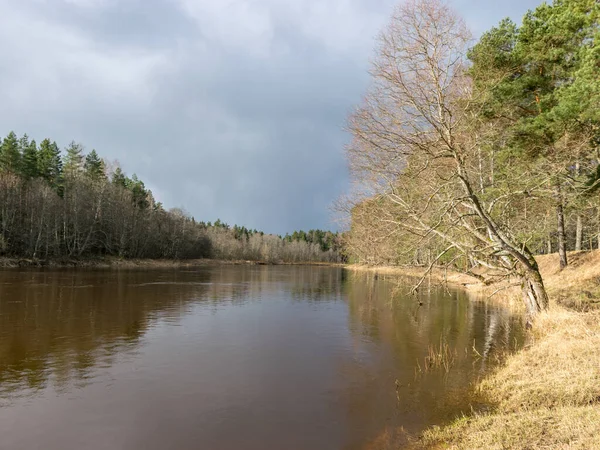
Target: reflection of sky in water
(231,357)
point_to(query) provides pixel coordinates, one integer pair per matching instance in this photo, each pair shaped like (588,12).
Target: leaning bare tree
(418,143)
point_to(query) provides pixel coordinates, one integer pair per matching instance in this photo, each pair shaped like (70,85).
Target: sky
(230,109)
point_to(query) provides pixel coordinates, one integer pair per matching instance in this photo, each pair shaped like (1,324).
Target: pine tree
(120,179)
(50,164)
(29,168)
(74,159)
(542,76)
(140,194)
(94,166)
(10,156)
(23,144)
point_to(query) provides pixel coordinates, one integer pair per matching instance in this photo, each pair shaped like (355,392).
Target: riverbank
(505,294)
(576,288)
(548,394)
(121,263)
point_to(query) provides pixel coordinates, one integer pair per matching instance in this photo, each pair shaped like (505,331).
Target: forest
(68,204)
(479,155)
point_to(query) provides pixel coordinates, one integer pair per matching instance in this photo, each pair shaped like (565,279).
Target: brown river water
(233,358)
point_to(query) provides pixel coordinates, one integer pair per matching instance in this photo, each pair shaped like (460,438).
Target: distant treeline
(56,204)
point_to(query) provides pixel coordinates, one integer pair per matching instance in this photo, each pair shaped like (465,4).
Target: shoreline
(438,275)
(121,263)
(501,293)
(546,395)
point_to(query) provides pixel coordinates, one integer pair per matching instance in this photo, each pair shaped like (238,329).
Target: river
(234,358)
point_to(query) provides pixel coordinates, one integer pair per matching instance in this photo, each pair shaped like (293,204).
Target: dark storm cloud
(229,109)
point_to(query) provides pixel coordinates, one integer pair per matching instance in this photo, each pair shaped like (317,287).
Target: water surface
(232,357)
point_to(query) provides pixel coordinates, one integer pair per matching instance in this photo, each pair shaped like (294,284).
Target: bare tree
(418,143)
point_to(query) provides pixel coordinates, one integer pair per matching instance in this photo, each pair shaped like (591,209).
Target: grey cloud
(247,127)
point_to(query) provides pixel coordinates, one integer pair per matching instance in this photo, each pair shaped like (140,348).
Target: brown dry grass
(577,286)
(440,357)
(561,367)
(100,263)
(547,396)
(560,428)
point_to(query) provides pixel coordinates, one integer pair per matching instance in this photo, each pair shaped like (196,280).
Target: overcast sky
(231,109)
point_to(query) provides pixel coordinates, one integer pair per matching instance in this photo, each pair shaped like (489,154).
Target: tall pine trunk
(562,245)
(560,216)
(579,233)
(598,226)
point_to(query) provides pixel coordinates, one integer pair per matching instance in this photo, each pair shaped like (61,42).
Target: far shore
(124,263)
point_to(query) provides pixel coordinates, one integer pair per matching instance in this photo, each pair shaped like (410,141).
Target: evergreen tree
(29,168)
(50,164)
(140,194)
(120,179)
(74,159)
(23,144)
(10,156)
(94,166)
(542,76)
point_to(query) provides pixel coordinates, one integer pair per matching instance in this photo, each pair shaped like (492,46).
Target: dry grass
(560,428)
(547,396)
(100,263)
(577,286)
(561,368)
(440,357)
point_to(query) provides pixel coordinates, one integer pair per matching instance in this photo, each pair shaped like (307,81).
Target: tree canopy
(479,156)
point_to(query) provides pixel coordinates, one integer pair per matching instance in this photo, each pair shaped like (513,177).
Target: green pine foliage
(94,166)
(50,165)
(30,168)
(119,179)
(542,76)
(10,154)
(74,159)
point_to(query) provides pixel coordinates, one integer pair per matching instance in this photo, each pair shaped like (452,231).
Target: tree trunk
(534,294)
(598,227)
(562,245)
(549,245)
(579,233)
